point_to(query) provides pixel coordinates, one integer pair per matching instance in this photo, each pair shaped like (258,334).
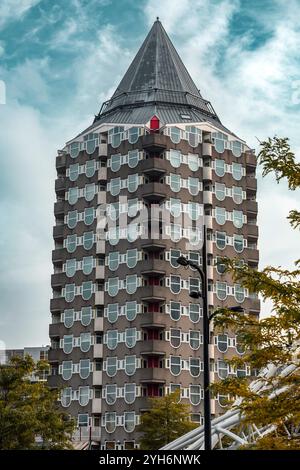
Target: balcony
(99,272)
(96,405)
(150,244)
(58,232)
(102,150)
(152,266)
(253,255)
(57,279)
(154,167)
(55,329)
(251,183)
(53,357)
(155,293)
(101,198)
(207,197)
(154,142)
(211,351)
(252,230)
(209,246)
(57,255)
(57,304)
(102,174)
(251,159)
(98,324)
(86,433)
(153,375)
(154,191)
(207,173)
(60,161)
(100,247)
(153,320)
(97,377)
(208,221)
(99,298)
(210,272)
(206,149)
(60,185)
(252,206)
(153,347)
(210,298)
(98,351)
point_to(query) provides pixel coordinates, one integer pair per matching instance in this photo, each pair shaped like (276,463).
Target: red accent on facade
(154,124)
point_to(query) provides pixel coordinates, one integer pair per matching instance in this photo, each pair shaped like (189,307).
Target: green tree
(274,339)
(30,410)
(166,420)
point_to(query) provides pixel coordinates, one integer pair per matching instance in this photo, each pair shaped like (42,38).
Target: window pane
(131,284)
(87,265)
(175,183)
(112,312)
(175,135)
(86,315)
(175,311)
(73,172)
(70,267)
(220,167)
(175,158)
(89,215)
(72,219)
(133,158)
(132,256)
(90,168)
(71,243)
(115,162)
(69,317)
(193,161)
(220,215)
(72,196)
(130,365)
(87,290)
(221,240)
(88,240)
(131,310)
(175,284)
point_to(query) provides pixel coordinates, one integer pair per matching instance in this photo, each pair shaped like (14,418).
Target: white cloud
(14,9)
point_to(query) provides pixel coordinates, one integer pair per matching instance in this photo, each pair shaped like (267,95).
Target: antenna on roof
(157,18)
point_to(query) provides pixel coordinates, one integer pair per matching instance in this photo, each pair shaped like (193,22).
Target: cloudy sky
(60,59)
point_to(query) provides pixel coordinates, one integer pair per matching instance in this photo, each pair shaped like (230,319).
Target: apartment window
(175,311)
(132,183)
(129,421)
(175,135)
(115,162)
(237,148)
(86,315)
(129,393)
(220,266)
(130,337)
(111,366)
(241,371)
(193,186)
(132,258)
(220,191)
(131,310)
(220,167)
(87,290)
(131,284)
(221,240)
(239,293)
(84,395)
(130,365)
(112,312)
(70,267)
(67,370)
(221,290)
(112,339)
(222,369)
(193,135)
(223,400)
(73,172)
(88,240)
(240,347)
(175,365)
(115,136)
(111,394)
(69,317)
(194,312)
(133,135)
(132,232)
(87,265)
(90,142)
(194,284)
(71,243)
(238,243)
(237,194)
(222,343)
(90,191)
(72,196)
(237,171)
(175,182)
(114,235)
(83,420)
(84,368)
(66,397)
(195,339)
(194,210)
(85,341)
(133,156)
(113,260)
(132,207)
(175,337)
(114,211)
(115,186)
(89,214)
(174,255)
(220,215)
(113,286)
(175,158)
(74,149)
(194,236)
(175,232)
(90,168)
(175,207)
(72,219)
(69,292)
(195,366)
(175,284)
(195,394)
(193,161)
(110,422)
(238,219)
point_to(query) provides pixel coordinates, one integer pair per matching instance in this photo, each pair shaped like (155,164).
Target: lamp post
(206,369)
(183,261)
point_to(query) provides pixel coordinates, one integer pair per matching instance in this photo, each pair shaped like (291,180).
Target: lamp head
(195,294)
(237,309)
(182,261)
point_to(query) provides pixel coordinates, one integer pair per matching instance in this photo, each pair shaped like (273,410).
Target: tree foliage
(166,420)
(30,410)
(275,339)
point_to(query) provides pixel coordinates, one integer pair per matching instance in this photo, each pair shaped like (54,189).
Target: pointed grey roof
(156,77)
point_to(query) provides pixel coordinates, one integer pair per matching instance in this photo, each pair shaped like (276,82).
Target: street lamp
(183,261)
